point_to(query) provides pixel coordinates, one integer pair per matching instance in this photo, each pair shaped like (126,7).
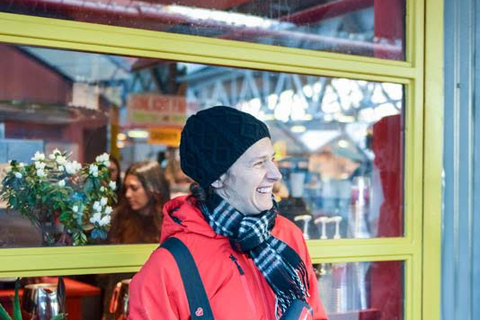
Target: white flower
(105,221)
(51,156)
(96,206)
(18,175)
(69,168)
(103,201)
(21,165)
(38,156)
(103,159)
(108,210)
(40,173)
(102,189)
(56,152)
(72,167)
(77,165)
(112,185)
(39,165)
(93,170)
(96,218)
(61,160)
(61,168)
(61,183)
(75,209)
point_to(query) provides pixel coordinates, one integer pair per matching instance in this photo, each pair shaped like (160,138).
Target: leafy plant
(17,312)
(54,191)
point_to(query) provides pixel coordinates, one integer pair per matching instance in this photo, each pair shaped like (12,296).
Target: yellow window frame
(423,81)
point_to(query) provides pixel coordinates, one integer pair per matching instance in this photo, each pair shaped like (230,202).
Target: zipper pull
(232,257)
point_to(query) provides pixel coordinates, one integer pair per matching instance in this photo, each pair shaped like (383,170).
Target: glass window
(366,28)
(362,290)
(339,144)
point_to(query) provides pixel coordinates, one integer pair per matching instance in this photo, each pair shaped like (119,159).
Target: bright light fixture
(121,137)
(343,143)
(298,129)
(140,134)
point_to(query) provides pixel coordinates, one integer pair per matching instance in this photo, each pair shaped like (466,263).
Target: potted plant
(60,196)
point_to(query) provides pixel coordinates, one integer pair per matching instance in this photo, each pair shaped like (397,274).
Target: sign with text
(153,109)
(166,136)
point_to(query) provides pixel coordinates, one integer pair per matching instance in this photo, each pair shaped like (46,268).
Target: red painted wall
(24,78)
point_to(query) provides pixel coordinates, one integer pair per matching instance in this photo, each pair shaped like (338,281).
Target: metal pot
(42,302)
(119,300)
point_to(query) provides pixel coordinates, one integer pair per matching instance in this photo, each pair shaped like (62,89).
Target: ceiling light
(343,143)
(298,129)
(140,134)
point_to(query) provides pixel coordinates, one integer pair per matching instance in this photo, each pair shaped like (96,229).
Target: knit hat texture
(213,139)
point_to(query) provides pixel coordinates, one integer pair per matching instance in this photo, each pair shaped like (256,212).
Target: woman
(253,263)
(115,175)
(138,217)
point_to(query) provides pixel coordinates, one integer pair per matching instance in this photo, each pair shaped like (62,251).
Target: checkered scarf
(281,266)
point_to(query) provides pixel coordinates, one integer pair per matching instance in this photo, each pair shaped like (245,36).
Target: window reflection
(339,145)
(362,290)
(367,28)
(338,142)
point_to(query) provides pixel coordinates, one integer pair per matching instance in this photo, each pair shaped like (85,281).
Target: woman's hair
(201,194)
(128,225)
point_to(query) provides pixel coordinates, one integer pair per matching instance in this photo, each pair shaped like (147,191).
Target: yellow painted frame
(419,249)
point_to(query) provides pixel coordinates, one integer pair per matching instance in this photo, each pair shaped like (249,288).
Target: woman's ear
(219,183)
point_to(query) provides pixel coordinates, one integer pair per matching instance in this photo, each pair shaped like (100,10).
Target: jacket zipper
(232,257)
(267,308)
(244,283)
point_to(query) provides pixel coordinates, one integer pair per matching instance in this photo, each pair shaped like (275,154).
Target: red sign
(153,109)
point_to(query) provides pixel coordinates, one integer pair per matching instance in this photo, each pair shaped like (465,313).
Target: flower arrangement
(56,193)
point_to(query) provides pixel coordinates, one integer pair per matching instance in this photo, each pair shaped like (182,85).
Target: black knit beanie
(213,139)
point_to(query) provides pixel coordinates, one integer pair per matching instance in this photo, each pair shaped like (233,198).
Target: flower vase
(47,229)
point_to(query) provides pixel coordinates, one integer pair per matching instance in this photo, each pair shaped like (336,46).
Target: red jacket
(157,293)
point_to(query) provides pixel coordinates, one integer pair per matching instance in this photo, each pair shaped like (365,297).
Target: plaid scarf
(281,266)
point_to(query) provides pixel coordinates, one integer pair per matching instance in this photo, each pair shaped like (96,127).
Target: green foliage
(54,189)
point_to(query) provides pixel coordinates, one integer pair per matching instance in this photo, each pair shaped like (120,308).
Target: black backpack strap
(197,298)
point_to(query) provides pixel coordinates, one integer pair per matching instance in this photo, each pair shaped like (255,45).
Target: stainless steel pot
(42,302)
(119,300)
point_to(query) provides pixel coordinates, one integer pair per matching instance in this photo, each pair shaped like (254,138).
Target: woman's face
(249,182)
(113,171)
(135,194)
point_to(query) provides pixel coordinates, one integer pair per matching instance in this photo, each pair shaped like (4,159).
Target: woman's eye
(259,163)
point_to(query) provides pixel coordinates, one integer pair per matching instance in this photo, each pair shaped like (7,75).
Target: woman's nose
(273,172)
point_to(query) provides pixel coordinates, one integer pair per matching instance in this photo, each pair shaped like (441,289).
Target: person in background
(136,219)
(116,175)
(254,263)
(138,216)
(179,182)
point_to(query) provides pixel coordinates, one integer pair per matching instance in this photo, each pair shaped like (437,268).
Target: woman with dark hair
(138,217)
(115,175)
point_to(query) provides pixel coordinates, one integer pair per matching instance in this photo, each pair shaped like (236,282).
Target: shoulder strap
(197,298)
